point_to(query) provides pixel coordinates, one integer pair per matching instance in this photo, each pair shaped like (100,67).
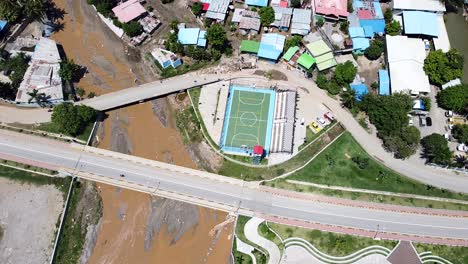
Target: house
(249,46)
(290,54)
(360,89)
(271,46)
(360,42)
(249,25)
(384,83)
(237,15)
(217,9)
(279,3)
(420,23)
(301,20)
(282,18)
(405,57)
(442,41)
(192,36)
(322,53)
(42,75)
(128,11)
(332,9)
(166,58)
(370,16)
(306,61)
(256,2)
(434,6)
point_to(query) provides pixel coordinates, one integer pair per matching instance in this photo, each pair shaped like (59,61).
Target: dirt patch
(28,219)
(272,75)
(368,70)
(205,157)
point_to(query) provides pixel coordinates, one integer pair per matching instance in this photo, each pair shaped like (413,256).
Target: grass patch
(247,173)
(27,167)
(366,197)
(183,69)
(452,254)
(345,163)
(188,124)
(330,243)
(239,257)
(52,128)
(26,177)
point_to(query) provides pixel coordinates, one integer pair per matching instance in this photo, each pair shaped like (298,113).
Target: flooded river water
(457,28)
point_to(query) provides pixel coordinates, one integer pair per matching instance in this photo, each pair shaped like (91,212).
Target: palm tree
(348,98)
(34,9)
(36,95)
(461,161)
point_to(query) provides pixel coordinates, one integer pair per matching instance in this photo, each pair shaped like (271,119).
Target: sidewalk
(251,233)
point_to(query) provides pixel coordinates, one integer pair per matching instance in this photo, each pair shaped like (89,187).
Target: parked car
(429,121)
(410,120)
(329,116)
(449,113)
(315,127)
(462,147)
(422,121)
(321,121)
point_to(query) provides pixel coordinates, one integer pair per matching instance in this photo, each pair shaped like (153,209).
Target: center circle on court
(248,119)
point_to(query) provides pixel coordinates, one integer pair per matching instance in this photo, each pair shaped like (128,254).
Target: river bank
(457,29)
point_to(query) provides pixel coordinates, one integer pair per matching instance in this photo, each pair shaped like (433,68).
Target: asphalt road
(201,186)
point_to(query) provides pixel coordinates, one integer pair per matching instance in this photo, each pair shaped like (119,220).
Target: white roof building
(218,9)
(42,74)
(418,5)
(442,41)
(405,63)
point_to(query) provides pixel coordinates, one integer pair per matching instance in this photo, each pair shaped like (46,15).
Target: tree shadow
(54,12)
(80,73)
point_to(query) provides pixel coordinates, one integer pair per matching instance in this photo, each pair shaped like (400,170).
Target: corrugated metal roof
(257,2)
(301,21)
(420,23)
(291,51)
(356,32)
(217,9)
(128,11)
(271,46)
(384,82)
(250,23)
(421,5)
(360,44)
(188,36)
(249,46)
(3,24)
(306,60)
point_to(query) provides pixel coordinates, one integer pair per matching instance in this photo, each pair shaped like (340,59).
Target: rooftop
(128,11)
(420,23)
(406,60)
(3,24)
(360,89)
(421,5)
(46,51)
(271,46)
(384,82)
(306,61)
(442,41)
(282,16)
(217,9)
(301,20)
(318,48)
(250,46)
(188,36)
(250,23)
(290,53)
(256,2)
(356,32)
(332,7)
(360,44)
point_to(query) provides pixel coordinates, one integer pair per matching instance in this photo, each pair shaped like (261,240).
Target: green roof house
(249,46)
(322,53)
(306,61)
(290,53)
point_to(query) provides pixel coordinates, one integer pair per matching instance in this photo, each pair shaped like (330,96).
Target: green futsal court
(248,118)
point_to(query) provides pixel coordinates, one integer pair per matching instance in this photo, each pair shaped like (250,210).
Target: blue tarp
(271,46)
(377,25)
(188,36)
(361,90)
(356,32)
(360,44)
(384,83)
(257,2)
(420,23)
(3,24)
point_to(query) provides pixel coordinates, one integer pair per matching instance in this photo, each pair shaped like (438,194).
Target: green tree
(292,41)
(460,132)
(132,28)
(10,10)
(427,103)
(436,150)
(91,95)
(80,91)
(388,15)
(345,73)
(267,15)
(69,70)
(7,91)
(350,6)
(174,24)
(197,8)
(35,9)
(393,28)
(320,22)
(454,98)
(443,67)
(344,26)
(17,67)
(374,51)
(322,81)
(295,3)
(216,36)
(348,98)
(333,88)
(70,119)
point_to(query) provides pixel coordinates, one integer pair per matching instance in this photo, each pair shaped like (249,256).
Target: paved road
(220,192)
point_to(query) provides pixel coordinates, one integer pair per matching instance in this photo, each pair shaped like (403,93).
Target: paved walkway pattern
(246,249)
(251,233)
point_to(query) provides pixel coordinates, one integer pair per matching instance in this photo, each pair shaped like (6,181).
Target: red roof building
(365,14)
(205,6)
(258,150)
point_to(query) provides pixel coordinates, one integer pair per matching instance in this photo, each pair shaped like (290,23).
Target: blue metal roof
(361,90)
(377,25)
(356,32)
(420,23)
(271,46)
(257,2)
(3,24)
(378,10)
(384,83)
(360,44)
(188,36)
(368,31)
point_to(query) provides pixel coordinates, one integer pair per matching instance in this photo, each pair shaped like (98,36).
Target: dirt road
(128,232)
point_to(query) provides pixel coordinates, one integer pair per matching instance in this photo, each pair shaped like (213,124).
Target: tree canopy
(454,98)
(197,8)
(393,28)
(345,73)
(375,49)
(267,15)
(72,120)
(436,150)
(16,66)
(443,67)
(69,70)
(460,132)
(292,41)
(132,28)
(216,36)
(12,10)
(7,91)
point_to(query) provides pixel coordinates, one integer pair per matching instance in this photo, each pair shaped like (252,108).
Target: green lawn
(261,258)
(330,243)
(335,166)
(453,254)
(50,127)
